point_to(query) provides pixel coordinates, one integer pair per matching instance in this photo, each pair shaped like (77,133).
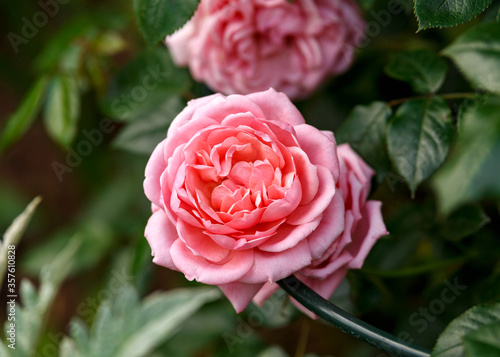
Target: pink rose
(243,46)
(363,226)
(243,193)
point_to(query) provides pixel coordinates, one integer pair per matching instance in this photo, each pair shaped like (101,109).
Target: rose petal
(199,243)
(176,41)
(237,264)
(367,232)
(330,227)
(320,149)
(221,107)
(240,294)
(160,233)
(270,267)
(315,208)
(288,236)
(154,168)
(266,291)
(325,287)
(307,174)
(283,207)
(277,106)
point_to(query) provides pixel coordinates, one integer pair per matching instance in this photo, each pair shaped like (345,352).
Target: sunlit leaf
(451,341)
(62,109)
(14,232)
(128,327)
(30,316)
(472,171)
(483,342)
(477,54)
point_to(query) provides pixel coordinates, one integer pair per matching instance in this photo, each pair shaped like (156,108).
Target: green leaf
(48,58)
(13,234)
(477,55)
(23,117)
(418,138)
(144,84)
(35,305)
(127,327)
(194,336)
(471,173)
(273,351)
(97,238)
(159,18)
(463,222)
(423,69)
(62,109)
(447,13)
(142,135)
(451,341)
(365,131)
(483,342)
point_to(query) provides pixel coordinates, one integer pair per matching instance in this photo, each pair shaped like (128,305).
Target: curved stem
(348,323)
(446,96)
(416,270)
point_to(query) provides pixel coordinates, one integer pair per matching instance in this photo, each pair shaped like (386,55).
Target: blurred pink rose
(243,193)
(243,46)
(363,226)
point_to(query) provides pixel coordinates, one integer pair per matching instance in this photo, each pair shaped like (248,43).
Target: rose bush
(363,225)
(243,46)
(245,193)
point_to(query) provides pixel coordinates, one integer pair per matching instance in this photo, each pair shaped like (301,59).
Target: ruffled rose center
(248,32)
(232,175)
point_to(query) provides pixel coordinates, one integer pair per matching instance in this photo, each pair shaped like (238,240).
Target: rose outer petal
(176,44)
(161,234)
(277,106)
(329,229)
(235,266)
(366,234)
(319,147)
(154,169)
(240,294)
(269,267)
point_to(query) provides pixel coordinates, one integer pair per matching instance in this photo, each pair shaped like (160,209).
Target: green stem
(417,270)
(348,323)
(446,96)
